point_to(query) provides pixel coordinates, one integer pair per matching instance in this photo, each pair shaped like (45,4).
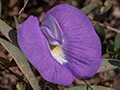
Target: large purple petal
(35,47)
(82,47)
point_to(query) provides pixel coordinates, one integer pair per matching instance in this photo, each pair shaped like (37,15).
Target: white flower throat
(58,54)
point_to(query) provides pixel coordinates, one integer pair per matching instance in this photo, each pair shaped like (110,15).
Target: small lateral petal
(52,30)
(34,45)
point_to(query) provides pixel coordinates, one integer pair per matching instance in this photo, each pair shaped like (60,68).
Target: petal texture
(81,46)
(36,48)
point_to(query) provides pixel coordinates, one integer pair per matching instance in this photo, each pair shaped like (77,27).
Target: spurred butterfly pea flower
(78,48)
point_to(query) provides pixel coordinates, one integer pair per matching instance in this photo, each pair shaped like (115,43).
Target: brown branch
(87,84)
(110,28)
(22,10)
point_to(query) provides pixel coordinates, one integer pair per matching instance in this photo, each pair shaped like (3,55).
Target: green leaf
(110,48)
(100,31)
(87,9)
(101,12)
(117,42)
(87,88)
(8,32)
(106,7)
(22,62)
(19,86)
(110,45)
(16,22)
(108,64)
(0,7)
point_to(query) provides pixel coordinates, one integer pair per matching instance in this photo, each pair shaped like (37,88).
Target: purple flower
(78,48)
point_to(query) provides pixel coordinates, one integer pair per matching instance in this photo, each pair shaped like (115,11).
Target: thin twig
(22,10)
(16,76)
(25,3)
(110,28)
(87,84)
(107,26)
